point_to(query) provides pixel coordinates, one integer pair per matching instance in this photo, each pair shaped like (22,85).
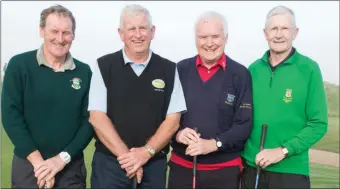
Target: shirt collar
(68,64)
(222,62)
(128,60)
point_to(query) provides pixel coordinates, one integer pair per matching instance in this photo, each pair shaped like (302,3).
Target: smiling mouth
(138,42)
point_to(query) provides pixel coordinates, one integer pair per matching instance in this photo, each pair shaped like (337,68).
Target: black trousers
(182,177)
(270,179)
(107,173)
(72,176)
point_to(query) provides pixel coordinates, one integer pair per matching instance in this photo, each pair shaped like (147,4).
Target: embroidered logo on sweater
(76,83)
(230,99)
(288,96)
(158,84)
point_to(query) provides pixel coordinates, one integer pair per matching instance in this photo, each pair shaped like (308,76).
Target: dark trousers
(270,179)
(107,173)
(72,176)
(182,177)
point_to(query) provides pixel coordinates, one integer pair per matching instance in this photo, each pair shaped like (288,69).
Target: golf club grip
(195,164)
(263,136)
(134,182)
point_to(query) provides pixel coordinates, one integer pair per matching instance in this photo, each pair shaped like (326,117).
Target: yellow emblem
(288,96)
(158,83)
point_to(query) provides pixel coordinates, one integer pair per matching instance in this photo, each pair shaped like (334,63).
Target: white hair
(280,10)
(213,14)
(132,10)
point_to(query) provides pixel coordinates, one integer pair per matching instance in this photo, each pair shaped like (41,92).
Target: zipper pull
(271,80)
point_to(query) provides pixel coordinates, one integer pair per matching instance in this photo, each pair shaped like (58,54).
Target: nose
(138,33)
(60,37)
(279,33)
(209,42)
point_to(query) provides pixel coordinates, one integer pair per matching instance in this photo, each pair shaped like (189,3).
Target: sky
(97,29)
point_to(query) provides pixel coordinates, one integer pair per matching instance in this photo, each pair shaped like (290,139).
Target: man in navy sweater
(218,93)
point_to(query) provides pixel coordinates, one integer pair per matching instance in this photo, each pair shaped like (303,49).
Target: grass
(330,142)
(321,176)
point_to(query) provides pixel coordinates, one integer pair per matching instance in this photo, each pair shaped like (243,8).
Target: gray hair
(213,14)
(57,9)
(280,10)
(132,10)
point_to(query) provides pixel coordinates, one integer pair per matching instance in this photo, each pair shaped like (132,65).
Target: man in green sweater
(289,97)
(44,108)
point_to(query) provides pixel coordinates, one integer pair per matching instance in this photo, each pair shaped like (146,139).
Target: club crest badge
(75,83)
(230,99)
(288,96)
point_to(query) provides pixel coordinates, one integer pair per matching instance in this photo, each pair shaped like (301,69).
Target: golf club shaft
(194,173)
(263,137)
(134,182)
(194,167)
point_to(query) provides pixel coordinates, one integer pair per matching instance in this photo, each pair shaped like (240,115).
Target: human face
(280,33)
(210,40)
(136,34)
(57,35)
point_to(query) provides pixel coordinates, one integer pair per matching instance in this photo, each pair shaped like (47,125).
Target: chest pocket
(227,102)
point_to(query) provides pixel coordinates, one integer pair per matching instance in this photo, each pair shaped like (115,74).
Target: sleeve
(12,108)
(85,132)
(236,136)
(177,101)
(98,93)
(316,114)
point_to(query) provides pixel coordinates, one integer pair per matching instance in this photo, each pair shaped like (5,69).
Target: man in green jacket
(288,96)
(44,108)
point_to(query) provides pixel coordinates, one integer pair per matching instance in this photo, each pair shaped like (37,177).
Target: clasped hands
(133,162)
(195,144)
(45,171)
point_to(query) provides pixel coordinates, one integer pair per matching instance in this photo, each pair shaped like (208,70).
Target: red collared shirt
(206,73)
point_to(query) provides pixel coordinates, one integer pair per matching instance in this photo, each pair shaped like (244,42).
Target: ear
(121,34)
(153,30)
(41,32)
(295,32)
(265,33)
(226,39)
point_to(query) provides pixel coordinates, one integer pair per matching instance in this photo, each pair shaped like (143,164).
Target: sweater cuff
(24,151)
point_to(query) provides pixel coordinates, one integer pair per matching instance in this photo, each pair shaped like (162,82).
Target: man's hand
(187,136)
(49,168)
(139,175)
(50,183)
(202,147)
(269,156)
(136,158)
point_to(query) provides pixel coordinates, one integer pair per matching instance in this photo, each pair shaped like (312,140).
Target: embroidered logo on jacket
(288,96)
(76,83)
(230,99)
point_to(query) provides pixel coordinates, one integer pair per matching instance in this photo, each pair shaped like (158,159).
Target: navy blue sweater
(220,107)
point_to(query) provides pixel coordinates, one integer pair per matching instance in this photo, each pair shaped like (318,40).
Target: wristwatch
(65,157)
(150,150)
(218,143)
(284,150)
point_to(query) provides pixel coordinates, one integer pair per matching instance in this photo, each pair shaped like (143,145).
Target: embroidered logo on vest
(158,84)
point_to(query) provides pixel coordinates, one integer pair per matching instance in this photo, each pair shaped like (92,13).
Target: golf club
(258,169)
(134,182)
(194,167)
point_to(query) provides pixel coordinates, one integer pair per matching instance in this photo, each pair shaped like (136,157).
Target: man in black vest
(218,94)
(135,104)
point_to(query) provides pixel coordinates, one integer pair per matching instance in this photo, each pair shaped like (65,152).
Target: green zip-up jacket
(291,101)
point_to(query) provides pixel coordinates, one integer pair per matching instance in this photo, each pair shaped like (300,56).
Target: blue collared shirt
(98,93)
